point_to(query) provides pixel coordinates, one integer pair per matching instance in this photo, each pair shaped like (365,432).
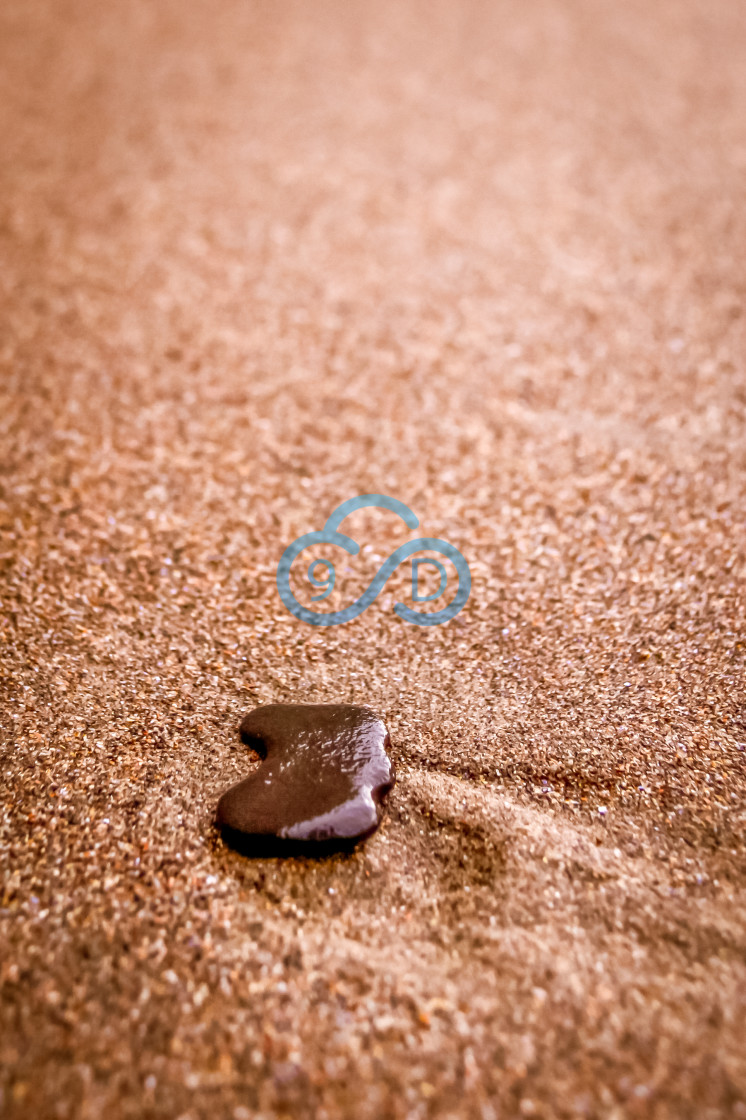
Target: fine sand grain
(490,259)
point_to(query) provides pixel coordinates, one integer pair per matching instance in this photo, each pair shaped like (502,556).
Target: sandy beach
(488,259)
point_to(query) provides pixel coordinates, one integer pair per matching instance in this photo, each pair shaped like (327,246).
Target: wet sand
(485,258)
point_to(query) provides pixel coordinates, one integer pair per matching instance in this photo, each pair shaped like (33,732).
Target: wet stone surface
(321,785)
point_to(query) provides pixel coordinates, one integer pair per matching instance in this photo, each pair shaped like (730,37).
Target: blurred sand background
(488,258)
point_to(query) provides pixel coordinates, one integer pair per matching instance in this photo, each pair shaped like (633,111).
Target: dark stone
(321,784)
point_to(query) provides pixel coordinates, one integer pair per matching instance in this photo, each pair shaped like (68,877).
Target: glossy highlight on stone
(321,785)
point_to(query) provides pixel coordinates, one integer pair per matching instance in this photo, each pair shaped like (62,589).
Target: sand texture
(487,258)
